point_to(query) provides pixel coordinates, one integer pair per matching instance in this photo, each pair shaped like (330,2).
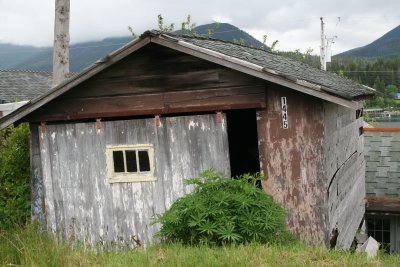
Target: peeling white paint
(303,175)
(53,137)
(193,124)
(104,213)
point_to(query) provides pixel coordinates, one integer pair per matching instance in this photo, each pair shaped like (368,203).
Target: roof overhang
(184,47)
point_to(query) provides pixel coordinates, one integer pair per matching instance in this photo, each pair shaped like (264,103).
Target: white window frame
(124,177)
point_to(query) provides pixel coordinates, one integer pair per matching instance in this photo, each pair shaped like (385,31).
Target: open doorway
(243,141)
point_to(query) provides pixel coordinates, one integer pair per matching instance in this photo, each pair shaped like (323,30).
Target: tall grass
(29,246)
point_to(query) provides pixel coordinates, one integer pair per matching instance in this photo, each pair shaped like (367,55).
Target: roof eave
(66,85)
(248,68)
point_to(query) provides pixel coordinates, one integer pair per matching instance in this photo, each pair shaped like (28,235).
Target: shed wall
(293,161)
(81,204)
(345,171)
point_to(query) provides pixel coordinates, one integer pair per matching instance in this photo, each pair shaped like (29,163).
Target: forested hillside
(381,74)
(385,47)
(84,54)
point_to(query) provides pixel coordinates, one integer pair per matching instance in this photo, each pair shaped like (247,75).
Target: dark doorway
(243,141)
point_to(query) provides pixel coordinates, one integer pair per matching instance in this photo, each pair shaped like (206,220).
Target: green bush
(221,211)
(14,176)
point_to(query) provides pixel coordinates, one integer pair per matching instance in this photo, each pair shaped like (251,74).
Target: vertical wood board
(84,206)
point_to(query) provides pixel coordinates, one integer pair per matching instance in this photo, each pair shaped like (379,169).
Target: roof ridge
(201,37)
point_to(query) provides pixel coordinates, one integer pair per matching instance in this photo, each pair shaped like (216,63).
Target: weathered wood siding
(155,80)
(345,171)
(315,168)
(37,187)
(80,202)
(293,161)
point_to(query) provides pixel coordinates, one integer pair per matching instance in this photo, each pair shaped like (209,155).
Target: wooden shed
(111,146)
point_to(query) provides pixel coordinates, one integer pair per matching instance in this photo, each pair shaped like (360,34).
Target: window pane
(144,162)
(386,224)
(378,225)
(131,165)
(378,236)
(118,158)
(386,237)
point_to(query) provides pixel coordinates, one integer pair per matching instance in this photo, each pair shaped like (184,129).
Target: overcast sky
(295,24)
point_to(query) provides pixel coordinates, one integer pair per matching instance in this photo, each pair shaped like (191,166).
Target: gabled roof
(18,85)
(252,61)
(293,70)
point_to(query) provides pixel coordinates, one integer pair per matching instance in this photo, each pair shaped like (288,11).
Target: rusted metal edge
(157,120)
(381,129)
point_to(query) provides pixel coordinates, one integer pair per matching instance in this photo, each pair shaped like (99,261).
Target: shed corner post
(37,186)
(262,119)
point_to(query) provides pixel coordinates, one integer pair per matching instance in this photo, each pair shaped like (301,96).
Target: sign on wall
(285,124)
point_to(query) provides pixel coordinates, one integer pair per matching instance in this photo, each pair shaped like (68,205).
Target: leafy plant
(222,211)
(162,27)
(188,26)
(14,176)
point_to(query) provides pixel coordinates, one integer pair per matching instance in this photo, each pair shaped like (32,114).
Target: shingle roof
(293,70)
(23,85)
(382,157)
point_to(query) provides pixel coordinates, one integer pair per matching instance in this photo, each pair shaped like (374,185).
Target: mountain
(84,54)
(386,46)
(226,32)
(81,55)
(10,54)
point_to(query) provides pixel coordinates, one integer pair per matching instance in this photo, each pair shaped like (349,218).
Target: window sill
(131,179)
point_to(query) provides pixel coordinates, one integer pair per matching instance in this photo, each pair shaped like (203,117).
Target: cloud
(294,23)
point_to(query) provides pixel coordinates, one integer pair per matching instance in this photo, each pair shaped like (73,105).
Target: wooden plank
(262,133)
(161,103)
(37,187)
(97,212)
(345,172)
(47,181)
(249,68)
(382,204)
(127,84)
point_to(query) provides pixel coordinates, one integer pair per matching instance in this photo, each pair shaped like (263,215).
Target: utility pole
(322,50)
(61,42)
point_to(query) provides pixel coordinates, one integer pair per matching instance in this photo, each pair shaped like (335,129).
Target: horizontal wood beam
(382,204)
(150,104)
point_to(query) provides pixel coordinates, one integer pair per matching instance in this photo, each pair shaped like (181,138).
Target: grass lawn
(29,247)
